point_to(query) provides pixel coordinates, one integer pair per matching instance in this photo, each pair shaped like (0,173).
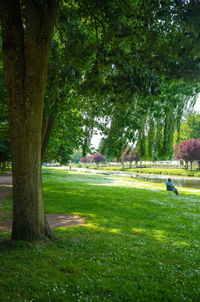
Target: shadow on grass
(139,245)
(124,210)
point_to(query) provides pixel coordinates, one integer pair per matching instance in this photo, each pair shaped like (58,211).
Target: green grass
(140,244)
(152,170)
(5,170)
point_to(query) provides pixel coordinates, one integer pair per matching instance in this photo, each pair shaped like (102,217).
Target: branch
(39,27)
(101,24)
(47,126)
(96,28)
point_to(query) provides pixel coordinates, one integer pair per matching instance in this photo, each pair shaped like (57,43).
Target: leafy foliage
(130,155)
(123,61)
(97,158)
(85,159)
(189,151)
(191,127)
(76,156)
(66,136)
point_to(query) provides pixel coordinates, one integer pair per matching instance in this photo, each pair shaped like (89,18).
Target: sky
(96,140)
(197,105)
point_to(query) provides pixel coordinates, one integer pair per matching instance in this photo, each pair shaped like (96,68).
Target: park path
(5,186)
(5,191)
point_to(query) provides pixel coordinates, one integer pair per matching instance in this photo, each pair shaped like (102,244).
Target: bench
(169,188)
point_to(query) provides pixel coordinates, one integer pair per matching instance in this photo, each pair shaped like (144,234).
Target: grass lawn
(140,244)
(153,170)
(5,170)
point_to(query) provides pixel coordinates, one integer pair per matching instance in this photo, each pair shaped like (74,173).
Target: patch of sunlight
(187,190)
(95,227)
(81,177)
(133,183)
(138,230)
(130,184)
(4,234)
(114,231)
(88,225)
(158,234)
(116,181)
(178,243)
(64,228)
(85,214)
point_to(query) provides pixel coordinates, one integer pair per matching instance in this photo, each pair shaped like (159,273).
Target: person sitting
(170,187)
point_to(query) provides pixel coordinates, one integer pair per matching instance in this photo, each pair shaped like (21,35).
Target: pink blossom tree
(123,157)
(85,159)
(98,158)
(189,151)
(130,156)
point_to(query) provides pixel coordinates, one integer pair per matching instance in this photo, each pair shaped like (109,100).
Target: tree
(163,118)
(26,34)
(67,134)
(98,158)
(133,155)
(130,155)
(134,47)
(191,127)
(76,156)
(72,51)
(123,157)
(85,159)
(189,151)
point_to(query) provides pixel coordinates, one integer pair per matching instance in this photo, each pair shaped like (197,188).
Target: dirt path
(54,220)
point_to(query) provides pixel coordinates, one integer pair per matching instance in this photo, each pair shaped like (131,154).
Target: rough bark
(25,63)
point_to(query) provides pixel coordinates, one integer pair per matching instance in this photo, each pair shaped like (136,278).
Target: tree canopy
(97,158)
(190,128)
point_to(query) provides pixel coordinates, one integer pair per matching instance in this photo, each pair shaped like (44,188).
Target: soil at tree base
(54,220)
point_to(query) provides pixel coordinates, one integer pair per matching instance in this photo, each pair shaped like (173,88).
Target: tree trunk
(47,126)
(25,62)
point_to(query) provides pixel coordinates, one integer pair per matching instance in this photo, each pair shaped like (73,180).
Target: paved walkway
(5,186)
